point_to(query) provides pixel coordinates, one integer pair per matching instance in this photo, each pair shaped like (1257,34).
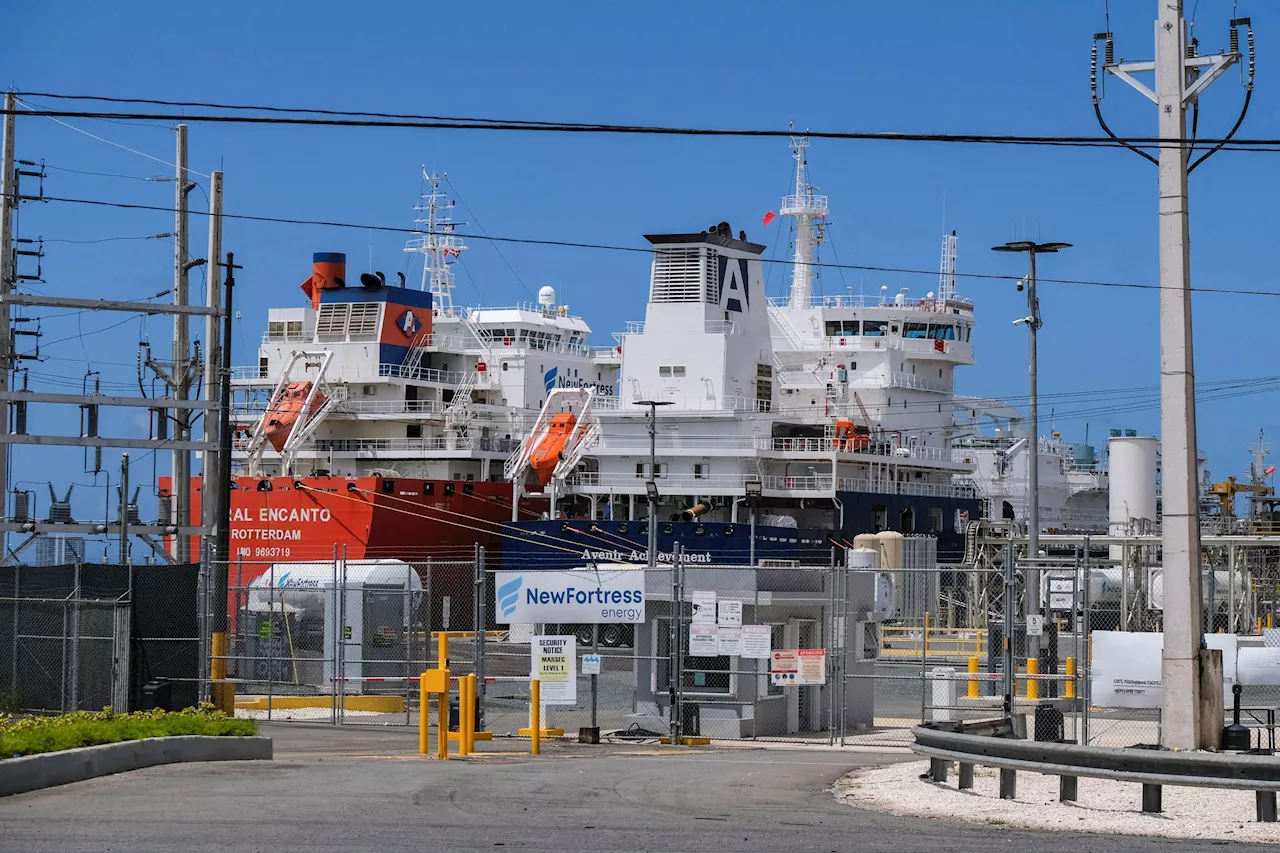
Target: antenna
(947,276)
(808,209)
(435,241)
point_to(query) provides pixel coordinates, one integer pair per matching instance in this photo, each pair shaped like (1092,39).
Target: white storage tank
(1132,476)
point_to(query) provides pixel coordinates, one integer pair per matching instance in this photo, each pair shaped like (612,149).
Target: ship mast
(809,210)
(947,276)
(435,241)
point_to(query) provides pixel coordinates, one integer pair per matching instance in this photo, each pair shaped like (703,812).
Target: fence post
(535,717)
(481,623)
(924,637)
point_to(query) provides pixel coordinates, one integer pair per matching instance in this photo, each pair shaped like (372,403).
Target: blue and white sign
(582,596)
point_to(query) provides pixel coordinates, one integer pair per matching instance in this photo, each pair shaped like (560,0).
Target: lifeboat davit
(286,411)
(546,455)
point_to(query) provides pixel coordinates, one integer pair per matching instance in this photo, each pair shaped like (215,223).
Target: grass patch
(34,735)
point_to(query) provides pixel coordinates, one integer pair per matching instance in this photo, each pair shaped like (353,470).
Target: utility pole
(181,352)
(222,498)
(1180,77)
(210,465)
(8,204)
(124,510)
(1033,324)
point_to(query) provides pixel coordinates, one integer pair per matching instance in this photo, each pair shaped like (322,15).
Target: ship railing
(816,483)
(433,444)
(287,337)
(690,483)
(872,300)
(699,404)
(420,374)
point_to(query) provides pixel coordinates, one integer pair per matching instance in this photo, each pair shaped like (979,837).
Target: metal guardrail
(1152,768)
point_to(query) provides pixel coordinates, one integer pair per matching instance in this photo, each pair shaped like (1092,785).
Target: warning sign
(784,666)
(553,661)
(798,667)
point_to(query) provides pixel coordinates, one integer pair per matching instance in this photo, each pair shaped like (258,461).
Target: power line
(572,244)
(450,123)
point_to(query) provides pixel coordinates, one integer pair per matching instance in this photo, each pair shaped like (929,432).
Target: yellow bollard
(442,720)
(424,715)
(442,649)
(1071,678)
(1259,624)
(1033,686)
(463,703)
(472,699)
(973,681)
(535,717)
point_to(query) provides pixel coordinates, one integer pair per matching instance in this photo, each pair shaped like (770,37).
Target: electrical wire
(455,123)
(280,220)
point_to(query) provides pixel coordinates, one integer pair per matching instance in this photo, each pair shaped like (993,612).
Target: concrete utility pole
(181,353)
(1181,76)
(8,203)
(1033,324)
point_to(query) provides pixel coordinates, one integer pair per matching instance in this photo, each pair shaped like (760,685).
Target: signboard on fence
(798,667)
(583,596)
(757,641)
(553,661)
(1127,667)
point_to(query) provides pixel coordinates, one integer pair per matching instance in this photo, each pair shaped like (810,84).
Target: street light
(1033,324)
(651,485)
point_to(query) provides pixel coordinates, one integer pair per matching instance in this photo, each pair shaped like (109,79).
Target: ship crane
(556,443)
(295,410)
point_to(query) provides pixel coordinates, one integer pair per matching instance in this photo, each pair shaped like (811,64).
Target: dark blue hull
(573,542)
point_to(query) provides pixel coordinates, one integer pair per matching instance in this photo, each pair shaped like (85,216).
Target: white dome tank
(862,558)
(1132,475)
(547,297)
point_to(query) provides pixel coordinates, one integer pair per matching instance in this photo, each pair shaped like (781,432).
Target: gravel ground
(1104,806)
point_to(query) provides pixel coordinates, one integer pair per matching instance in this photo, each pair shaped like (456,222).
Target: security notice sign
(813,666)
(554,664)
(755,641)
(784,666)
(798,667)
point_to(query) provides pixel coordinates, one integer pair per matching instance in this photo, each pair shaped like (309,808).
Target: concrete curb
(33,772)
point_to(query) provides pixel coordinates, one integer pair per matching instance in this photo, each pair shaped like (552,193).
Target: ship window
(275,330)
(428,488)
(262,367)
(935,519)
(640,469)
(388,487)
(448,488)
(293,330)
(678,370)
(700,470)
(413,431)
(664,370)
(468,488)
(908,519)
(842,328)
(915,330)
(504,365)
(879,518)
(942,333)
(874,328)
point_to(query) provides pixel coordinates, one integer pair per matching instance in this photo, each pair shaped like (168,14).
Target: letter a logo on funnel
(509,595)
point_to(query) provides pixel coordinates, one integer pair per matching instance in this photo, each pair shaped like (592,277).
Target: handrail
(1152,768)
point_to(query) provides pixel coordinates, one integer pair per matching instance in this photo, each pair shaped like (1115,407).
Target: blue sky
(983,67)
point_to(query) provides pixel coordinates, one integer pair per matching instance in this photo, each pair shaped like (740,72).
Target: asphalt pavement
(361,791)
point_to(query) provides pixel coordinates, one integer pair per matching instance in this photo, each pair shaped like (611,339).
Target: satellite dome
(547,296)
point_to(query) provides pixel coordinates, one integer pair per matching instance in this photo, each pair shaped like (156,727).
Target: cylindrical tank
(1083,455)
(866,542)
(1132,476)
(890,542)
(862,559)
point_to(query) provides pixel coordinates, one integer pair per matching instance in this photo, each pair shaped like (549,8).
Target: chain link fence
(813,654)
(87,636)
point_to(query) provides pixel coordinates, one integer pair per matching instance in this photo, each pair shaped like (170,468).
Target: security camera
(1021,284)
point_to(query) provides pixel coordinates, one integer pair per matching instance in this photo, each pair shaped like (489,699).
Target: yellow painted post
(462,714)
(973,679)
(1071,678)
(471,713)
(925,636)
(442,722)
(1270,617)
(1259,624)
(1033,686)
(535,717)
(424,714)
(442,649)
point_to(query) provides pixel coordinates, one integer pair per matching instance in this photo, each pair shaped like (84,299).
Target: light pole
(1032,321)
(651,485)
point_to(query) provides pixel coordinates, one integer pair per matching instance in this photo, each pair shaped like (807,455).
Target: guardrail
(1152,768)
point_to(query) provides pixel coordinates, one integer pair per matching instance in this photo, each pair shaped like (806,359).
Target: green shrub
(32,735)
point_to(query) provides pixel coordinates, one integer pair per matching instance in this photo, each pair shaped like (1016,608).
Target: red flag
(1270,470)
(769,217)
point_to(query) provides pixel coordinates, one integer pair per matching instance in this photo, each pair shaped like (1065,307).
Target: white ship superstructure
(406,384)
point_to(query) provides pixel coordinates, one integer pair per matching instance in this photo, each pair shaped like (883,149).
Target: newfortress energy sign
(585,596)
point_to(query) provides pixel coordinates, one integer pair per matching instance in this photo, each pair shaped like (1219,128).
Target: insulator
(20,417)
(1235,40)
(1252,56)
(162,424)
(1192,48)
(164,510)
(1110,52)
(21,507)
(91,420)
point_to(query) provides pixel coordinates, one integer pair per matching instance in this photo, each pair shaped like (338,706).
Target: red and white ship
(379,416)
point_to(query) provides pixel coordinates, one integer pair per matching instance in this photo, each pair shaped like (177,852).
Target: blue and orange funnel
(328,270)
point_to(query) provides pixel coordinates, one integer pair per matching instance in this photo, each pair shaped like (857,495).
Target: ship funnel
(328,270)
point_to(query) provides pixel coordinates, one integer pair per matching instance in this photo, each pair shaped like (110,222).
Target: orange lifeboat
(546,455)
(848,437)
(286,411)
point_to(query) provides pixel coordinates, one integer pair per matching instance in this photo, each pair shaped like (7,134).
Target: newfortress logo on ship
(552,379)
(584,596)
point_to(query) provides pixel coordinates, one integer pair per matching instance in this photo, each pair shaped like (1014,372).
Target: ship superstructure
(837,409)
